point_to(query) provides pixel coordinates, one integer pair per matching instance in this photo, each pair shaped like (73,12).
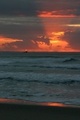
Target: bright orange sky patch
(55,44)
(4,40)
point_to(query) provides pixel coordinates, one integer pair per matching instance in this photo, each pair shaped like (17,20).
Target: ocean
(40,76)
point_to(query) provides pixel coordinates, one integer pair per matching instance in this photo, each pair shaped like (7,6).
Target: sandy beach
(16,110)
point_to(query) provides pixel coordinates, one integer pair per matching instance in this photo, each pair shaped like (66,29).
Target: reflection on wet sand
(11,109)
(26,102)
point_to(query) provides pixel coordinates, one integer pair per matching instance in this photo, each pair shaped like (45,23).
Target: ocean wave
(70,60)
(33,67)
(69,82)
(58,82)
(44,77)
(74,67)
(7,78)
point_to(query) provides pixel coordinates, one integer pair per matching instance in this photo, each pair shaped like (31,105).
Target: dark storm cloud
(21,7)
(73,38)
(32,7)
(66,7)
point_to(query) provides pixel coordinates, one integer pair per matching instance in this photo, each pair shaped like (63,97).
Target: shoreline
(27,102)
(11,109)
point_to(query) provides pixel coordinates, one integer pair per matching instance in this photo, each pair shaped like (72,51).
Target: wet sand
(18,110)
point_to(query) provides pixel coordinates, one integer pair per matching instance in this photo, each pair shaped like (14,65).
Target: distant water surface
(41,77)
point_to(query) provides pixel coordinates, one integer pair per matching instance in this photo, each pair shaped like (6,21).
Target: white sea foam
(40,77)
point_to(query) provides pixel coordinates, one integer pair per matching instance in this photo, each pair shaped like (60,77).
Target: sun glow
(58,43)
(54,41)
(58,33)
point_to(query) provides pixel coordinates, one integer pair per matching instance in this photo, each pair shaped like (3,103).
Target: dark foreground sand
(35,111)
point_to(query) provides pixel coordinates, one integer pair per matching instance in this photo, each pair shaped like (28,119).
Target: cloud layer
(22,28)
(33,7)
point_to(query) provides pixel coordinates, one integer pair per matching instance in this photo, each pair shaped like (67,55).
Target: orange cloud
(54,31)
(54,14)
(55,44)
(4,40)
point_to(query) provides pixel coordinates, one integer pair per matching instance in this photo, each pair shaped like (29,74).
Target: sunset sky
(40,25)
